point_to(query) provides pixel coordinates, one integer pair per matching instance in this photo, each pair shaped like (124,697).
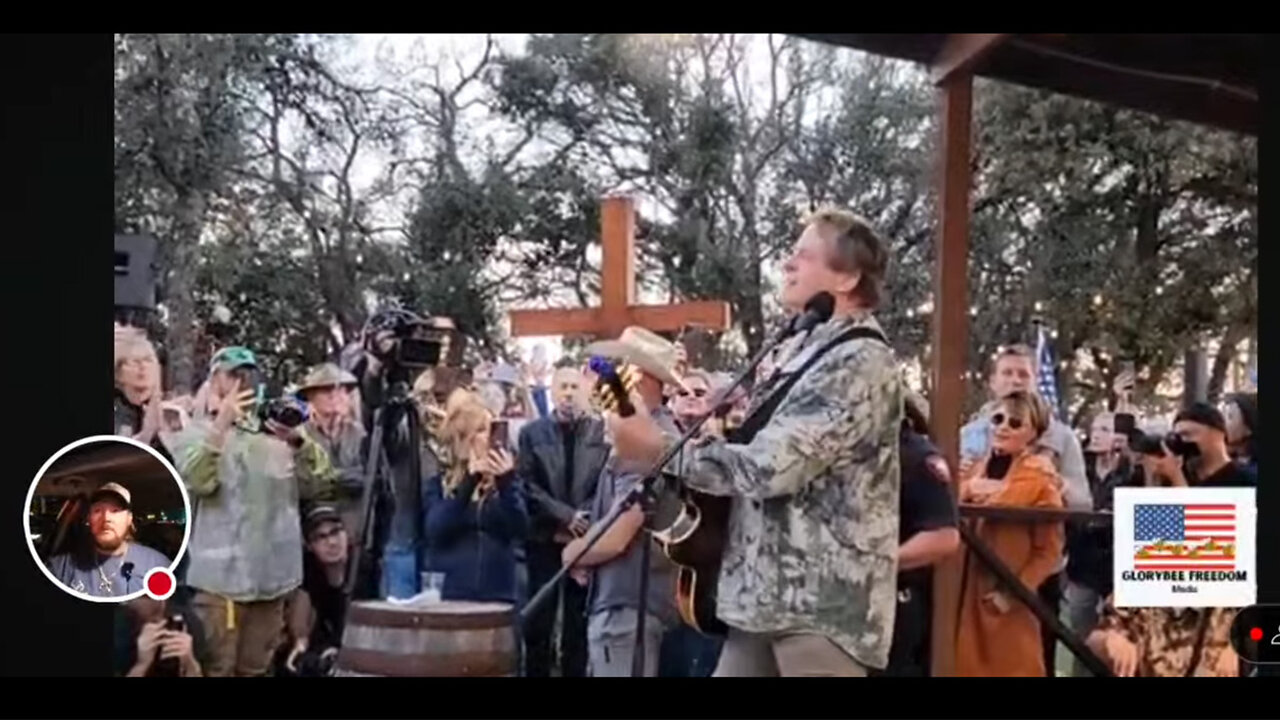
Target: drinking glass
(432,586)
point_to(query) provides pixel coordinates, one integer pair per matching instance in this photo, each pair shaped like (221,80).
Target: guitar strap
(756,421)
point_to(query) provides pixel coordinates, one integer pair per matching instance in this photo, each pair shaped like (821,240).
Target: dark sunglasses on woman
(1015,423)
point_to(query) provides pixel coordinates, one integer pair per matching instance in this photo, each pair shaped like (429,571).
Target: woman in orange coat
(998,636)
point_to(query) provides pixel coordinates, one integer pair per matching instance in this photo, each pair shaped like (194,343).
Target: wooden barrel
(445,639)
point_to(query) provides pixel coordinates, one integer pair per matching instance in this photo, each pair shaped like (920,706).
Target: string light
(1039,306)
(1097,300)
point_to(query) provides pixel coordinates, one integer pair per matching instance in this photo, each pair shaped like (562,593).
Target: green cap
(230,358)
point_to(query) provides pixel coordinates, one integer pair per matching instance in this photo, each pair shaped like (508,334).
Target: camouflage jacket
(1166,637)
(813,536)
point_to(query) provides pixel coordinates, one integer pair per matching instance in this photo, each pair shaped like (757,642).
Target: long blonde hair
(465,415)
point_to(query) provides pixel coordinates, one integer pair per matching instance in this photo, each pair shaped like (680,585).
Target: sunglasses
(698,393)
(1014,423)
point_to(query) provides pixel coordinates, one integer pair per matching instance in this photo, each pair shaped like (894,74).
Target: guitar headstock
(603,398)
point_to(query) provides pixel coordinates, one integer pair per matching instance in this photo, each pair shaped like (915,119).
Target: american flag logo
(1184,537)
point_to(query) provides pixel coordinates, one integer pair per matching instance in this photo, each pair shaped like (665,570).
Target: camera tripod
(398,404)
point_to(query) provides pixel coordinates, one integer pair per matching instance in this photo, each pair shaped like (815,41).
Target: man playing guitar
(807,584)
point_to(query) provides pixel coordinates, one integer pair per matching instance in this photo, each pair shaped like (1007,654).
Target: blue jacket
(474,544)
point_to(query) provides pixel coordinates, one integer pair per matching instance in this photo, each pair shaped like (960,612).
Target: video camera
(1145,444)
(287,410)
(399,338)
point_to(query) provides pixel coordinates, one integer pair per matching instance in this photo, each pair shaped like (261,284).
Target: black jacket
(553,495)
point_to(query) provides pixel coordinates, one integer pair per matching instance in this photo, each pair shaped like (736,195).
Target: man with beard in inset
(110,564)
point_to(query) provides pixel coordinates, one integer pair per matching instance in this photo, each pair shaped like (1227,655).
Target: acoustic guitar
(694,540)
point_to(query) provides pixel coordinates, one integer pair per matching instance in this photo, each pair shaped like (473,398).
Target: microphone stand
(644,492)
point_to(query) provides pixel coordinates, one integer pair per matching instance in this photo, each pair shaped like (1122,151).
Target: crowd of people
(1070,564)
(517,464)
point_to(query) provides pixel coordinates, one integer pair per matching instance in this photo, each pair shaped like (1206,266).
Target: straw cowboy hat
(326,375)
(645,349)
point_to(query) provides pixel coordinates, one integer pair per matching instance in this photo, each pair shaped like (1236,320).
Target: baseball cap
(115,489)
(317,515)
(230,358)
(1203,414)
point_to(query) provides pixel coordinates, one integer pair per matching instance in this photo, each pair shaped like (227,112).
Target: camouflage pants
(784,655)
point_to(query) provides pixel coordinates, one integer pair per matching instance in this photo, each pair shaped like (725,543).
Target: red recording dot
(1255,634)
(160,583)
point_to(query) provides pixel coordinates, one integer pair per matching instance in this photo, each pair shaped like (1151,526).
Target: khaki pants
(784,655)
(241,637)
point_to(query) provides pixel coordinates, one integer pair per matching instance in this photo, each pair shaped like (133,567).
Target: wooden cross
(618,308)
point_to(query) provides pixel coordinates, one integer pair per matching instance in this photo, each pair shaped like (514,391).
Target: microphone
(817,311)
(609,376)
(126,570)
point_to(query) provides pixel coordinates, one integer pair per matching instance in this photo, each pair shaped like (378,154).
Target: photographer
(387,385)
(247,476)
(1195,454)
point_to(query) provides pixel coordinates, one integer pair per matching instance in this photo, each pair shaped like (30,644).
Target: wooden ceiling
(1211,79)
(84,469)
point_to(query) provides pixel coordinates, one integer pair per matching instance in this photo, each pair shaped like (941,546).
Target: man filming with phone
(246,473)
(559,459)
(161,642)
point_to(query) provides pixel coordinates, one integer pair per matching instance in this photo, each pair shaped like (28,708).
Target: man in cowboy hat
(333,423)
(110,564)
(613,564)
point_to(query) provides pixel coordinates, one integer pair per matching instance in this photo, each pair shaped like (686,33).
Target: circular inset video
(102,514)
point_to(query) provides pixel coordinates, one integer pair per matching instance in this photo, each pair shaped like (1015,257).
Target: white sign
(1185,547)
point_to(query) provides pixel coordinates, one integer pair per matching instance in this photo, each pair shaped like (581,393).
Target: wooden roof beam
(961,52)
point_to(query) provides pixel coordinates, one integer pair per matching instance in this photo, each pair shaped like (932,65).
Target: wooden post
(950,351)
(617,262)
